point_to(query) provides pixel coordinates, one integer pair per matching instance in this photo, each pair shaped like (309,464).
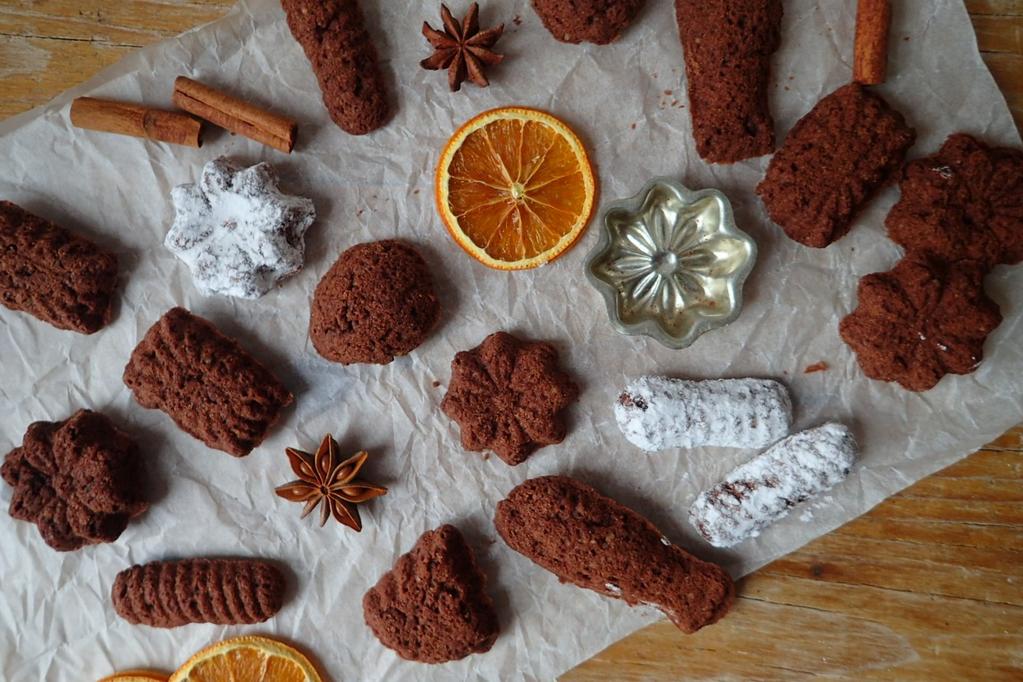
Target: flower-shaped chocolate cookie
(508,395)
(77,480)
(920,321)
(965,202)
(239,235)
(671,263)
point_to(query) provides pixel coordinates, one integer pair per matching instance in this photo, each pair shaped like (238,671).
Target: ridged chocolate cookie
(432,606)
(592,541)
(334,36)
(167,594)
(57,276)
(206,383)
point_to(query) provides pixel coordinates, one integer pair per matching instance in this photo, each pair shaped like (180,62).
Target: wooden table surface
(927,586)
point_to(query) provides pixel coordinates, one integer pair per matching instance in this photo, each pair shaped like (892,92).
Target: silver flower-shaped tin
(671,263)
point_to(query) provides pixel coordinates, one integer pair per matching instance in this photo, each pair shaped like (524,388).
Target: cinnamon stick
(870,55)
(123,118)
(234,114)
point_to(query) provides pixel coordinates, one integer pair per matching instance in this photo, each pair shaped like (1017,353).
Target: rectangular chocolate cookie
(728,46)
(53,274)
(206,382)
(831,163)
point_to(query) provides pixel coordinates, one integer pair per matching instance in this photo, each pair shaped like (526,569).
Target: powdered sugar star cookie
(236,231)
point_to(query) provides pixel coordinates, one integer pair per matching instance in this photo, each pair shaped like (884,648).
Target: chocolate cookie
(236,231)
(832,162)
(920,321)
(508,396)
(79,480)
(594,542)
(50,273)
(591,21)
(765,489)
(167,594)
(432,606)
(375,303)
(657,413)
(206,383)
(728,47)
(335,39)
(965,202)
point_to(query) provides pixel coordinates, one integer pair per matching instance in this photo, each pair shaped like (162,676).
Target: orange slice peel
(253,659)
(515,188)
(136,676)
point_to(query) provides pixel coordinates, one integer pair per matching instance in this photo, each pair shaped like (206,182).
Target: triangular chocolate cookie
(432,607)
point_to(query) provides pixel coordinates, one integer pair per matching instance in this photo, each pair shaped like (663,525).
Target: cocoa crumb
(517,20)
(669,93)
(633,126)
(436,383)
(817,367)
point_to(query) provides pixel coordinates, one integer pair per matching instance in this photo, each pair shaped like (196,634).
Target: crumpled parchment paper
(627,102)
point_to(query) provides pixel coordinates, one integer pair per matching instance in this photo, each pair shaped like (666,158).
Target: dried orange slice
(515,188)
(253,659)
(136,676)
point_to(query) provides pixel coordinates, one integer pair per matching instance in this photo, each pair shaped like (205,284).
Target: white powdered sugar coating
(656,413)
(763,490)
(237,232)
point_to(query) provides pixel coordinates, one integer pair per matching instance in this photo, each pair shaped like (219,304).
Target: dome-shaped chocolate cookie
(589,21)
(377,302)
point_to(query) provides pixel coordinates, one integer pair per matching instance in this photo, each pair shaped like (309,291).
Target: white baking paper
(628,103)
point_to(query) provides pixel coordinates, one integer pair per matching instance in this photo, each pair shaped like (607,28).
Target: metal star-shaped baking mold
(671,263)
(237,232)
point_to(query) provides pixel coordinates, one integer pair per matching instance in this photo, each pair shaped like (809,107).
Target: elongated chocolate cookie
(832,162)
(48,272)
(728,47)
(206,383)
(167,594)
(334,36)
(592,541)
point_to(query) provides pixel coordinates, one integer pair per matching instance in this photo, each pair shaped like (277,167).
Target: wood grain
(924,587)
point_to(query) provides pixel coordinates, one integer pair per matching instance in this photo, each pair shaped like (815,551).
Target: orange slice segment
(253,659)
(515,188)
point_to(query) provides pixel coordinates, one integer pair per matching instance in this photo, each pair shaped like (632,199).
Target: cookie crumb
(817,367)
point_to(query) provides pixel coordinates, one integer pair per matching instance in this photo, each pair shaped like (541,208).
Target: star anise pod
(321,478)
(462,48)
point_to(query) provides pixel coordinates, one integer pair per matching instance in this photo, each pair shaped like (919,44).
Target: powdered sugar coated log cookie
(656,413)
(763,490)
